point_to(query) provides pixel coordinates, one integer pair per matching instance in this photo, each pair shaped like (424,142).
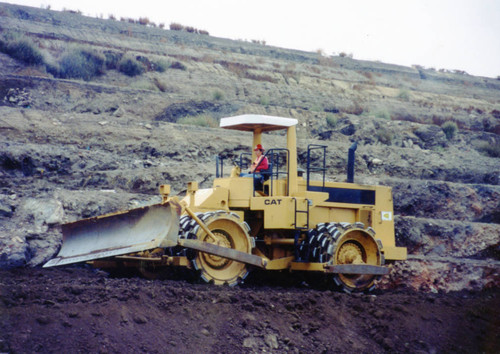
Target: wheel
(230,232)
(345,243)
(356,245)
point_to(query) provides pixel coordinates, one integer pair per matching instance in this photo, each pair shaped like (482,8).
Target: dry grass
(201,120)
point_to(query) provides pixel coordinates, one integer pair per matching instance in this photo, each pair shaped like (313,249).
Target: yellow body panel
(284,212)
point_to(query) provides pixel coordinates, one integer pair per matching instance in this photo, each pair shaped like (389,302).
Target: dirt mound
(75,309)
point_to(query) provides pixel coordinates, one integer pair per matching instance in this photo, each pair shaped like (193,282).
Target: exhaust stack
(350,162)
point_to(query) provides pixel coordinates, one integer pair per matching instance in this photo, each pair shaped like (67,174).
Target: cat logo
(386,216)
(272,202)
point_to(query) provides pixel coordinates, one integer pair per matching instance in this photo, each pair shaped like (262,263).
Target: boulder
(13,252)
(44,211)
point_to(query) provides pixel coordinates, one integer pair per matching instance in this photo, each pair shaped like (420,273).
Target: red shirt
(262,165)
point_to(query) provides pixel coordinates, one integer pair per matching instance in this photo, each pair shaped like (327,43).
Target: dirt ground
(73,310)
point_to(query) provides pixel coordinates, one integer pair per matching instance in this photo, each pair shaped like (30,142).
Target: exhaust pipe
(350,162)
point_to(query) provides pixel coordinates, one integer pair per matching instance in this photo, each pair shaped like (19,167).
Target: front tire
(230,232)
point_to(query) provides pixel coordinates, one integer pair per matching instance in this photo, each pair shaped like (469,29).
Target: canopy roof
(252,122)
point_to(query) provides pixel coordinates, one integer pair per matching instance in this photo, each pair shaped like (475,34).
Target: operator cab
(282,161)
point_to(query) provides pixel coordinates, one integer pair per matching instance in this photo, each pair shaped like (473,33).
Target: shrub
(384,136)
(218,95)
(383,114)
(176,26)
(264,101)
(356,109)
(130,67)
(112,59)
(331,120)
(81,64)
(178,65)
(449,129)
(201,120)
(492,150)
(22,49)
(143,21)
(161,65)
(404,95)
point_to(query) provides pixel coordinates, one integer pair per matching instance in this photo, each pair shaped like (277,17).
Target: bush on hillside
(21,49)
(218,95)
(82,63)
(449,129)
(130,67)
(331,121)
(178,65)
(161,65)
(404,95)
(488,149)
(176,27)
(112,59)
(384,135)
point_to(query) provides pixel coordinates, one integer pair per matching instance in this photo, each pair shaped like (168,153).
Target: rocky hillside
(79,143)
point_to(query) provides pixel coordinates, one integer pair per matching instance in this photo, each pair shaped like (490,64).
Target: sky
(441,34)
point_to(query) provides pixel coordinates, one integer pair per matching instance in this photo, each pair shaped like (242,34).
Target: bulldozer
(284,218)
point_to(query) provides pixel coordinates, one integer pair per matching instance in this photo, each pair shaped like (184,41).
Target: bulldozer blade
(119,233)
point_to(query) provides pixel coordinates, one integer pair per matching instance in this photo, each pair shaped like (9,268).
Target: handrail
(322,168)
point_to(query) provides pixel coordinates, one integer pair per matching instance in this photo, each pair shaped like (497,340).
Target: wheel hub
(221,240)
(350,253)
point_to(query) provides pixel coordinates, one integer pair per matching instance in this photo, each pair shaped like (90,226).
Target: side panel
(240,190)
(383,223)
(279,212)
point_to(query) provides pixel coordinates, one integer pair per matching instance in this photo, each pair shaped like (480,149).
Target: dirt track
(78,310)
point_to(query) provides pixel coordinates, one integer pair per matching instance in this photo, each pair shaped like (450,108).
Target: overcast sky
(448,34)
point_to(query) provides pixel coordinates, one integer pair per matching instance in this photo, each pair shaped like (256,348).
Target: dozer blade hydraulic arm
(119,233)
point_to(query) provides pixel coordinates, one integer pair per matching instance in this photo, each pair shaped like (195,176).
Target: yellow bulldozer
(277,219)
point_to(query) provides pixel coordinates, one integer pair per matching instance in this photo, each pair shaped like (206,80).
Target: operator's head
(259,147)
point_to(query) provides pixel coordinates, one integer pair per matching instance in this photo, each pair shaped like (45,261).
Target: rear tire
(344,243)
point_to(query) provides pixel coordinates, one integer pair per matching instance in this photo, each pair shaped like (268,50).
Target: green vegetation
(218,95)
(264,101)
(449,129)
(331,120)
(21,48)
(383,114)
(161,65)
(112,59)
(82,63)
(491,150)
(384,135)
(130,67)
(201,120)
(404,95)
(178,65)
